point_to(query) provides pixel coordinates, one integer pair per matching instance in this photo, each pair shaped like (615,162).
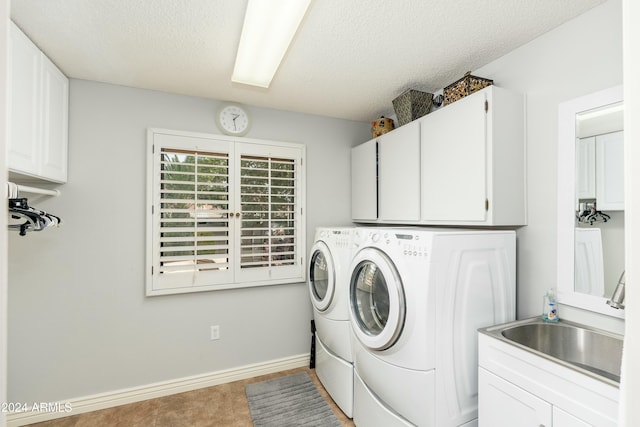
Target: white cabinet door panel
(399,174)
(586,168)
(23,144)
(55,119)
(454,162)
(565,419)
(502,404)
(610,171)
(364,182)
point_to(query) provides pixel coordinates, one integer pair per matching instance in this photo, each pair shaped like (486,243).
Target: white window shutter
(270,206)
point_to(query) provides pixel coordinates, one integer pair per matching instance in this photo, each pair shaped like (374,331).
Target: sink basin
(594,352)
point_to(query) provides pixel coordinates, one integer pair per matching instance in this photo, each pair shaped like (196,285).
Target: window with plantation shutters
(223,213)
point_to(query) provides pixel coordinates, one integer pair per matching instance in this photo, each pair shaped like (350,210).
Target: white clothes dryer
(417,299)
(329,290)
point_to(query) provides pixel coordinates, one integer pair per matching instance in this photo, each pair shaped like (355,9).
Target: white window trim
(238,146)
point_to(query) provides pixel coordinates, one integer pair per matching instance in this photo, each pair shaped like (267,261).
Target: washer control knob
(375,237)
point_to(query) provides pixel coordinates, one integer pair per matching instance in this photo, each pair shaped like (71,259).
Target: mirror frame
(566,200)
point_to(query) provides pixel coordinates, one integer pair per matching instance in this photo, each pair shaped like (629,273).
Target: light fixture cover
(269,27)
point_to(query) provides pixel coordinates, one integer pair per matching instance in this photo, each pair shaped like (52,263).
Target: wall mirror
(591,200)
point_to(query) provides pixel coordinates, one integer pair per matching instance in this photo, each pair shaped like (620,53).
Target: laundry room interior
(102,307)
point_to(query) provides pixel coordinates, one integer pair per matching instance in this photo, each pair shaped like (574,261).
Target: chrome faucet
(617,299)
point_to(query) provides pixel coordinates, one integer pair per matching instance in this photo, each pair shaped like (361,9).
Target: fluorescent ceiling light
(269,27)
(604,111)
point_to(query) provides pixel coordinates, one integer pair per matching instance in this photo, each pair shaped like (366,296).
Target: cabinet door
(586,168)
(364,182)
(502,404)
(55,122)
(23,144)
(399,174)
(565,419)
(454,161)
(610,171)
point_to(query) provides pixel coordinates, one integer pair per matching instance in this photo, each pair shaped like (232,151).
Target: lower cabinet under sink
(520,387)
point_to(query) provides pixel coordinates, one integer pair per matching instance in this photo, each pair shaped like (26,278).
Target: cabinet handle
(237,214)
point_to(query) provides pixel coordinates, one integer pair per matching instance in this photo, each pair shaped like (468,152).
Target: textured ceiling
(348,60)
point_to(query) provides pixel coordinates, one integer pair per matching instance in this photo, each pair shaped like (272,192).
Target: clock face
(233,119)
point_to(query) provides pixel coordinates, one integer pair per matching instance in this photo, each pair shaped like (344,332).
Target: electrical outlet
(215,332)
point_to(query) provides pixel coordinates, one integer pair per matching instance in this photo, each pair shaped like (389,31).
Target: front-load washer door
(322,276)
(376,299)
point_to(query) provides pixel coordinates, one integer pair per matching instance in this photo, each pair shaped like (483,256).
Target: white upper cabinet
(463,164)
(37,146)
(399,174)
(600,170)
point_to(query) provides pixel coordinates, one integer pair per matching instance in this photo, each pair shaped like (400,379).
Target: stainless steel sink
(594,352)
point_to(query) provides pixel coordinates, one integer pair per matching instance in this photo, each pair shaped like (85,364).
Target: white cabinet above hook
(38,114)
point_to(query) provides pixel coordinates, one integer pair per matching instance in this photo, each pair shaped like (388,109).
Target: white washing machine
(417,299)
(329,289)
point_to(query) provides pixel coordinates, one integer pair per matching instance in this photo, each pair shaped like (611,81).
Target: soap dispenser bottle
(550,307)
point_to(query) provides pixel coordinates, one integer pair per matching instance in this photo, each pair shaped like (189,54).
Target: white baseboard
(165,388)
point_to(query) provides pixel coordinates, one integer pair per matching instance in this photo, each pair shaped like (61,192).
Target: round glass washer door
(322,274)
(376,299)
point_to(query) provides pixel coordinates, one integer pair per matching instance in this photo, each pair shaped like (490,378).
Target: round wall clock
(233,119)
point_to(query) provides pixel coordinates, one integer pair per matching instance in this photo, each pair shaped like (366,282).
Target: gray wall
(4,62)
(79,320)
(575,59)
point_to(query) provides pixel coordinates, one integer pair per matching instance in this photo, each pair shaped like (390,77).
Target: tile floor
(220,406)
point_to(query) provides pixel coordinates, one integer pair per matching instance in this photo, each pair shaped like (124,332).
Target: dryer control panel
(340,238)
(407,244)
(414,250)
